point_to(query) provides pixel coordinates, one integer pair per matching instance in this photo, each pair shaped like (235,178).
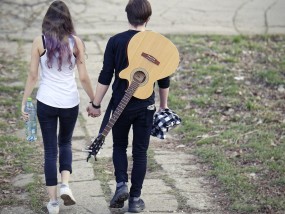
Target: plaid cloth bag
(163,121)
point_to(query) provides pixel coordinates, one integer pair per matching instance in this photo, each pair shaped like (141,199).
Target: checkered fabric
(163,121)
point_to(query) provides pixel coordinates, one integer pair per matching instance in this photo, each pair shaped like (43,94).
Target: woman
(138,113)
(57,51)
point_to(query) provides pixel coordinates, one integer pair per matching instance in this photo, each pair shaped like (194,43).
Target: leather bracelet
(94,106)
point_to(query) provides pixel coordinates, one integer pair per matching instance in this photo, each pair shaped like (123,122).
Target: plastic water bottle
(31,123)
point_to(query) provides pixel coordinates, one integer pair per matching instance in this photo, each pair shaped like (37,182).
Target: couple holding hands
(58,51)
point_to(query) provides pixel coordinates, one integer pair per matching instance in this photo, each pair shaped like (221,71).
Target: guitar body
(152,54)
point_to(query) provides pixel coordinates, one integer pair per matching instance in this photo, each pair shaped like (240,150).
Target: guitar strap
(106,116)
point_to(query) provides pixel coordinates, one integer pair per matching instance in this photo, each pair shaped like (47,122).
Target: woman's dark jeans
(141,120)
(48,118)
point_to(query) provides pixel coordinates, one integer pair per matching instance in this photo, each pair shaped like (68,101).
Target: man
(138,113)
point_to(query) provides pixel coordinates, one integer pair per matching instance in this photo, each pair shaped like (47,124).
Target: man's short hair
(138,11)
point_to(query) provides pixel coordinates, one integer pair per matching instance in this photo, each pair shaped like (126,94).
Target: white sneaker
(66,195)
(53,207)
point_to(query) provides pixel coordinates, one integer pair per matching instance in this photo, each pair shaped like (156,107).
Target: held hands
(93,112)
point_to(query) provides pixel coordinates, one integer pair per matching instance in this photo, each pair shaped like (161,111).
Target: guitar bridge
(150,58)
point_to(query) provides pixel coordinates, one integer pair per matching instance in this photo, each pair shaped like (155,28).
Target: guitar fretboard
(123,103)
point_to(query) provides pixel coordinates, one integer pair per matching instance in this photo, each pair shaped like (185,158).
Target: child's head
(138,12)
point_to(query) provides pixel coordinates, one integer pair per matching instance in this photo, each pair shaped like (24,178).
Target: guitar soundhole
(139,76)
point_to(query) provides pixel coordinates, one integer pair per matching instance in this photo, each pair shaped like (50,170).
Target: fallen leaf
(239,78)
(180,146)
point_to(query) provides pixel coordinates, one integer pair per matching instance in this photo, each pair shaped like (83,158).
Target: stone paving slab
(169,157)
(163,203)
(203,199)
(89,199)
(22,180)
(91,48)
(160,203)
(96,205)
(78,131)
(82,171)
(79,144)
(156,196)
(90,188)
(180,171)
(11,47)
(190,185)
(80,156)
(16,210)
(155,186)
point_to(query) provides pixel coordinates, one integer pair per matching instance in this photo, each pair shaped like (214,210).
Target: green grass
(235,126)
(152,165)
(272,77)
(102,174)
(17,156)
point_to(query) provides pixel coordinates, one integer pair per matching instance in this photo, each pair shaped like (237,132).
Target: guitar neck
(123,103)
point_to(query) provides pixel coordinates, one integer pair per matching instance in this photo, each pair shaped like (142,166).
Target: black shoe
(136,206)
(120,196)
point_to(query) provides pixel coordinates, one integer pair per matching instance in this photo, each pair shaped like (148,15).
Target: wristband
(94,106)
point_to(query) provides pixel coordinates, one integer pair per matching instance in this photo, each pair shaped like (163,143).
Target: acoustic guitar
(151,57)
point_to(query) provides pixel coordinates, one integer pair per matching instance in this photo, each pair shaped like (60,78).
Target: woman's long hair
(57,27)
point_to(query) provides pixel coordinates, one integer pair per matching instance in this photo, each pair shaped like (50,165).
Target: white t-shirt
(58,88)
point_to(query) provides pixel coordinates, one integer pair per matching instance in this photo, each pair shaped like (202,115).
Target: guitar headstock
(96,145)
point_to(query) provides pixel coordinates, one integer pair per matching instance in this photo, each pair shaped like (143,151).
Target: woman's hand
(25,115)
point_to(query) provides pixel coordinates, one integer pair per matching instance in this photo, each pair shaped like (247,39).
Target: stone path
(176,184)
